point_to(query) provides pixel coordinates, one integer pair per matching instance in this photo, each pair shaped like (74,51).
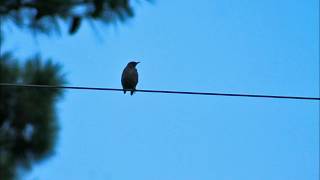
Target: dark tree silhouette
(28,123)
(44,15)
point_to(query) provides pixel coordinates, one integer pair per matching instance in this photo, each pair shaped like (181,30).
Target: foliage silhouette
(45,16)
(28,125)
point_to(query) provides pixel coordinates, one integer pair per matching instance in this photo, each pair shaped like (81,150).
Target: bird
(129,78)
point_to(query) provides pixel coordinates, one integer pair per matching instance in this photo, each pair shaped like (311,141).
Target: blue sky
(258,47)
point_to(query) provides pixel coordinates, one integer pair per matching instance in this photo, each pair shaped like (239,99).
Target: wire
(159,91)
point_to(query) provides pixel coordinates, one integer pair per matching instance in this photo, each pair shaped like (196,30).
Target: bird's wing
(123,77)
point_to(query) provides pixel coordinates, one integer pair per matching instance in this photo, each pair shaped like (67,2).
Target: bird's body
(129,78)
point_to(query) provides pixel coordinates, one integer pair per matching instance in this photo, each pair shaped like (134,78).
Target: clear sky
(249,46)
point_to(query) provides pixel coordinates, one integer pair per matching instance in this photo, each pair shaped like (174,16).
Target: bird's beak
(138,62)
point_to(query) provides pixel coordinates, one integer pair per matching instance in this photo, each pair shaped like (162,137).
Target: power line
(159,91)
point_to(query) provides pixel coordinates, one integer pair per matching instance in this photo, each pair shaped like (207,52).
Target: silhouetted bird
(129,78)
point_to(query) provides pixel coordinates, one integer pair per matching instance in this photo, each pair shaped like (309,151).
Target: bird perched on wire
(129,78)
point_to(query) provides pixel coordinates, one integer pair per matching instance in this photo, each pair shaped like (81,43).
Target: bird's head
(133,63)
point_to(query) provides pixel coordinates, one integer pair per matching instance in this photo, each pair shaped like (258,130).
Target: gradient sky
(258,47)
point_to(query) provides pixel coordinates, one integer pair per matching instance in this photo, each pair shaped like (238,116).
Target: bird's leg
(132,91)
